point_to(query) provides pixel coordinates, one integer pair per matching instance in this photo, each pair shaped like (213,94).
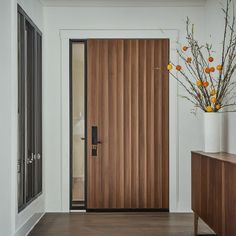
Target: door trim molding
(127,210)
(65,36)
(129,3)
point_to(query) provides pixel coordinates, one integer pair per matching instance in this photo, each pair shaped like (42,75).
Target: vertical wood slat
(131,170)
(89,176)
(127,123)
(112,77)
(104,131)
(158,121)
(134,125)
(165,124)
(150,124)
(142,125)
(97,94)
(120,123)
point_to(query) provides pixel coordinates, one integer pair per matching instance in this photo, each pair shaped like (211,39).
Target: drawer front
(230,199)
(207,190)
(215,196)
(196,183)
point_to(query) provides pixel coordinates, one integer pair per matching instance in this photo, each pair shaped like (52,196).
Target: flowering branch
(210,86)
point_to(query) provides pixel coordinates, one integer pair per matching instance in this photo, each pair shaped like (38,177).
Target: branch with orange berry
(209,85)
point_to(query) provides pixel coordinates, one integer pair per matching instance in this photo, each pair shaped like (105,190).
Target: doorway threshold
(78,211)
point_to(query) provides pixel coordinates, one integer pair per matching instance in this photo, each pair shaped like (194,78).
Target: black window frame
(29,160)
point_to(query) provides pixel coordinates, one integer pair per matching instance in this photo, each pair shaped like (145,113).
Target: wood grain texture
(128,101)
(221,156)
(214,204)
(214,191)
(229,199)
(117,224)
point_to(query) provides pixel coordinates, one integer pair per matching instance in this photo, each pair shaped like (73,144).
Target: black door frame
(71,41)
(83,41)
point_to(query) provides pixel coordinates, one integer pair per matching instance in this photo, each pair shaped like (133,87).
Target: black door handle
(95,136)
(95,141)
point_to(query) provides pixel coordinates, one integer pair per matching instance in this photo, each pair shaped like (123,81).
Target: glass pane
(78,143)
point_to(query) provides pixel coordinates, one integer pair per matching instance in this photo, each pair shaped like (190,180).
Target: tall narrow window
(29,165)
(77,125)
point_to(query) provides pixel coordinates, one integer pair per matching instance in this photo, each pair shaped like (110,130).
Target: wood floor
(117,224)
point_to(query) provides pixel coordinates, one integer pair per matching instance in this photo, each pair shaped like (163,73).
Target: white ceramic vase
(212,127)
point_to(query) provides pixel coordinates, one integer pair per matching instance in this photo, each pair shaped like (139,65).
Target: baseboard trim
(26,228)
(127,210)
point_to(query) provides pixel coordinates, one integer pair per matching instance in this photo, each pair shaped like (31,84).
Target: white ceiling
(138,3)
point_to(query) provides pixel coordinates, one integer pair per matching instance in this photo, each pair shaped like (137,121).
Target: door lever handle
(30,159)
(95,141)
(94,135)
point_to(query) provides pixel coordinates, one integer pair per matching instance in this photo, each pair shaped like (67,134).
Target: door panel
(127,99)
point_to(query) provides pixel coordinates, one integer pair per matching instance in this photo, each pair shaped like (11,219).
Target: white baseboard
(25,229)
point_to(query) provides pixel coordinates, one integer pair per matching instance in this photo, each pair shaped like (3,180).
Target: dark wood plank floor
(117,224)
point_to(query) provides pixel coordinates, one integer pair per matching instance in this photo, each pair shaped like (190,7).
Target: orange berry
(210,59)
(213,100)
(185,48)
(209,109)
(218,106)
(213,92)
(205,84)
(189,59)
(212,69)
(207,70)
(178,67)
(219,67)
(199,83)
(169,67)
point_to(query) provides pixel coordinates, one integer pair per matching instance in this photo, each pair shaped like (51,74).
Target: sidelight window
(77,125)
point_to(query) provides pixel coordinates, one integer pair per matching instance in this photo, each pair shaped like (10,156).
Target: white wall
(56,19)
(12,223)
(215,17)
(34,10)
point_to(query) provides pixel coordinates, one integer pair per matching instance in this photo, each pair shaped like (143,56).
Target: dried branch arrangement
(209,85)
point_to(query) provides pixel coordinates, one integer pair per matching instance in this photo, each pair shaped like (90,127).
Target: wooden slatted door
(127,109)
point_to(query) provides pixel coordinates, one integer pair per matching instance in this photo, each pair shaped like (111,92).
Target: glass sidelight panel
(78,125)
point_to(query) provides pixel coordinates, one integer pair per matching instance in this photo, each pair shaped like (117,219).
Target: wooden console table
(214,191)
